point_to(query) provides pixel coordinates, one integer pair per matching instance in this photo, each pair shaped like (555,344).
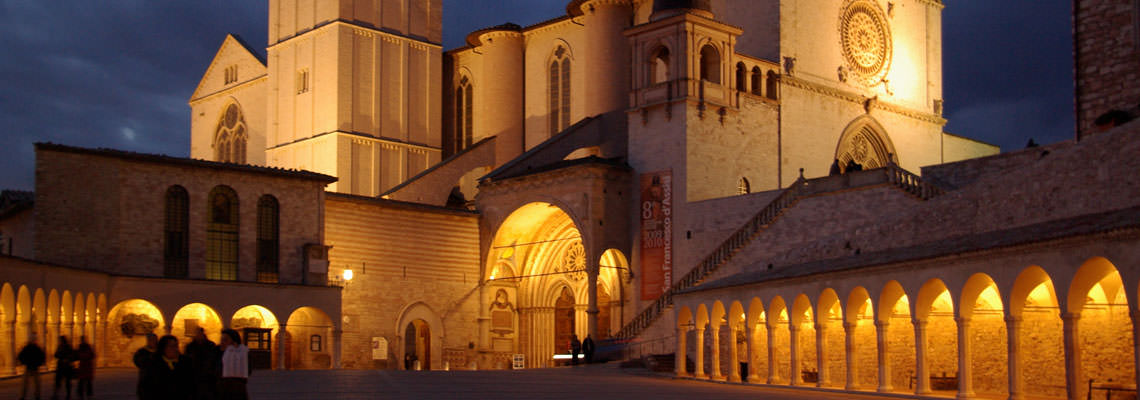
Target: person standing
(86,372)
(170,375)
(575,349)
(64,367)
(203,355)
(142,360)
(235,367)
(588,348)
(32,357)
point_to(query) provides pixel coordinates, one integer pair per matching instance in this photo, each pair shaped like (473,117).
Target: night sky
(119,73)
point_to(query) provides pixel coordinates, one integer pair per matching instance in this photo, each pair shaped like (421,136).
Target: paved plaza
(595,382)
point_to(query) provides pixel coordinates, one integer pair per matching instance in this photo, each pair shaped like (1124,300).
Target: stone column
(336,348)
(1073,380)
(1013,333)
(592,295)
(100,350)
(281,332)
(794,352)
(714,367)
(700,361)
(921,371)
(10,333)
(753,357)
(881,331)
(772,373)
(821,355)
(681,349)
(1136,344)
(67,328)
(965,358)
(849,336)
(734,356)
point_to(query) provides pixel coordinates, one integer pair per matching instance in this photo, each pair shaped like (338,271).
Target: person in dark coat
(142,360)
(204,355)
(835,168)
(575,349)
(169,375)
(32,357)
(588,348)
(86,372)
(64,367)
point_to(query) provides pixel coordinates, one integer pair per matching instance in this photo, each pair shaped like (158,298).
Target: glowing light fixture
(348,274)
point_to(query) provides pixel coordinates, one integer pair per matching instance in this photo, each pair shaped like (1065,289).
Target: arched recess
(39,316)
(127,324)
(559,86)
(231,136)
(193,316)
(863,368)
(717,357)
(830,320)
(308,339)
(67,312)
(613,278)
(684,365)
(251,322)
(53,332)
(659,66)
(738,341)
(542,243)
(982,312)
(700,342)
(803,320)
(1104,329)
(894,314)
(78,315)
(23,315)
(779,340)
(710,64)
(935,307)
(741,77)
(1041,350)
(565,318)
(757,81)
(429,346)
(92,318)
(757,342)
(865,142)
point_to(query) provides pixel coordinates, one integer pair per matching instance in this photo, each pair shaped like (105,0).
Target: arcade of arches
(1031,331)
(539,285)
(117,330)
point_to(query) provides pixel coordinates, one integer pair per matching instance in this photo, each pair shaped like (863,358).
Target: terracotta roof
(165,159)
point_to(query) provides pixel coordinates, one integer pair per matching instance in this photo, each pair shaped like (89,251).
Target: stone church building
(696,178)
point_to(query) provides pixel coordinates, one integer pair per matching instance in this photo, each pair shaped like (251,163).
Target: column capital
(918,322)
(819,327)
(882,324)
(1013,319)
(793,327)
(849,325)
(962,320)
(1070,316)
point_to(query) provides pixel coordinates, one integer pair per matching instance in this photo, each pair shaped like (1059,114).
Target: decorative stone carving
(574,264)
(137,324)
(865,39)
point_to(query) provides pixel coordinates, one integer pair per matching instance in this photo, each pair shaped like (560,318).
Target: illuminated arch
(231,134)
(306,328)
(866,142)
(196,315)
(127,324)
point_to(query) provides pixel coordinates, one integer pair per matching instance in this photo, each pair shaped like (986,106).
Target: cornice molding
(861,99)
(229,89)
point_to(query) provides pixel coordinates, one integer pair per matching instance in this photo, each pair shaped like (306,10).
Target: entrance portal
(417,346)
(563,321)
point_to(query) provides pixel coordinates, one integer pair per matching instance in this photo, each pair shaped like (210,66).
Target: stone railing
(911,183)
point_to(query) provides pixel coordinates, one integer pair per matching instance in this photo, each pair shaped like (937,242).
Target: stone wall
(1106,50)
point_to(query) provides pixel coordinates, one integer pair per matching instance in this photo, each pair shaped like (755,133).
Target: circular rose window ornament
(865,40)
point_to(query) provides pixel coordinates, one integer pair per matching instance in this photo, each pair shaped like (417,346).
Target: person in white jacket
(235,367)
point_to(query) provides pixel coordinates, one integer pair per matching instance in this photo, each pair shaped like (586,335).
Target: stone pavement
(596,382)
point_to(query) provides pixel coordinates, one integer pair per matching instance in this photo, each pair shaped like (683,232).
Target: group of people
(204,370)
(584,347)
(70,363)
(851,166)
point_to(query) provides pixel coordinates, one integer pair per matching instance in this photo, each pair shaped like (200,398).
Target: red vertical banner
(656,233)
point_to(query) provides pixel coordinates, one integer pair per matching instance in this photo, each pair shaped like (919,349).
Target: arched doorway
(193,316)
(563,321)
(128,323)
(417,346)
(307,339)
(258,328)
(866,143)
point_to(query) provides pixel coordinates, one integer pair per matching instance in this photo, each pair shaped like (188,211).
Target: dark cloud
(118,73)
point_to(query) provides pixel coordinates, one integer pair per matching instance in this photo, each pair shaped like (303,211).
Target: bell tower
(354,89)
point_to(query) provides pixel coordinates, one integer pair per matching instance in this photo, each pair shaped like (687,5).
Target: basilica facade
(719,180)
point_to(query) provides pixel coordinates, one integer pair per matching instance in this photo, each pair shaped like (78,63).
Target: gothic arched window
(741,77)
(710,64)
(230,136)
(464,115)
(743,187)
(559,91)
(757,81)
(772,85)
(176,253)
(268,243)
(659,67)
(222,234)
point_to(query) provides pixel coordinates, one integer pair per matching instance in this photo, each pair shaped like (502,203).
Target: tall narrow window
(659,67)
(464,134)
(176,254)
(230,136)
(710,64)
(743,187)
(268,243)
(772,85)
(222,235)
(231,74)
(757,81)
(302,80)
(741,77)
(559,91)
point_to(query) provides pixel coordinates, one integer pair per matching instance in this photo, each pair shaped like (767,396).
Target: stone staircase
(890,175)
